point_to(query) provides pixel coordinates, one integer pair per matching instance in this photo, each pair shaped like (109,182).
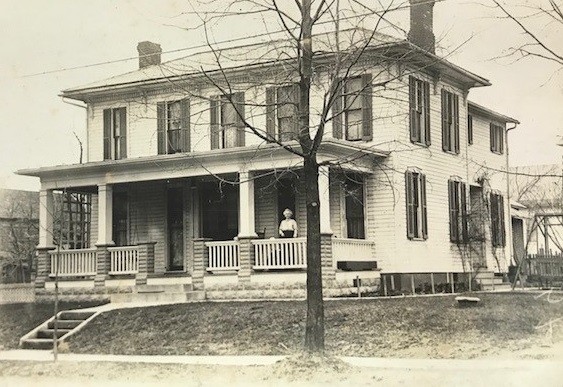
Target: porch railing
(289,253)
(345,249)
(124,260)
(73,263)
(223,255)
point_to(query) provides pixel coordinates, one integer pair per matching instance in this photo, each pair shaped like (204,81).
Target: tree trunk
(314,330)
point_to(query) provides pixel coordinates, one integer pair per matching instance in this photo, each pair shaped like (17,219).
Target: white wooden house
(177,190)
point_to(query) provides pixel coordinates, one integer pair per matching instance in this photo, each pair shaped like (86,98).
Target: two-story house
(184,185)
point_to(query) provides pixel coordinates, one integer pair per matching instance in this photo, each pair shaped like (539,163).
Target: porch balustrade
(290,253)
(73,263)
(345,249)
(124,260)
(223,255)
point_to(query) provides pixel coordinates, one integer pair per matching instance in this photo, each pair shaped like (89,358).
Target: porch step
(152,297)
(172,288)
(68,323)
(489,280)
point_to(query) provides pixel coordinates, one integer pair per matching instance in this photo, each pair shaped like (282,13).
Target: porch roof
(347,155)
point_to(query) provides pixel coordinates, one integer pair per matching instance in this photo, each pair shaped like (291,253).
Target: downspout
(87,131)
(509,245)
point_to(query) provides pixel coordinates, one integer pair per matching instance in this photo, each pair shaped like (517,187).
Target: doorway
(477,218)
(219,211)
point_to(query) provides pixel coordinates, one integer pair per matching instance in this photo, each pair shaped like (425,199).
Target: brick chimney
(421,31)
(149,54)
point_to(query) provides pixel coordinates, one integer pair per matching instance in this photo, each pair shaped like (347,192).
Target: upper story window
(352,109)
(115,134)
(173,126)
(227,121)
(282,104)
(419,103)
(457,200)
(450,122)
(497,220)
(417,214)
(470,129)
(497,138)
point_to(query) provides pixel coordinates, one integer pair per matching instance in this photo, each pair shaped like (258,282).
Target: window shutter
(123,134)
(185,134)
(271,112)
(161,127)
(470,129)
(238,100)
(494,219)
(296,91)
(107,134)
(412,109)
(427,139)
(464,218)
(502,231)
(423,204)
(492,136)
(501,138)
(409,200)
(337,112)
(456,123)
(453,211)
(445,129)
(367,107)
(215,125)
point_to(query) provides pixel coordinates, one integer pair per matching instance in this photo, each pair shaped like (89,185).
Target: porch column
(324,199)
(105,219)
(246,205)
(201,259)
(145,263)
(46,208)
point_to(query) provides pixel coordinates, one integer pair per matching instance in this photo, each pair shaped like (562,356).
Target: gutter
(510,250)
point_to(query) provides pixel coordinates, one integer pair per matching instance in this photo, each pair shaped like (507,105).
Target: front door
(175,210)
(477,217)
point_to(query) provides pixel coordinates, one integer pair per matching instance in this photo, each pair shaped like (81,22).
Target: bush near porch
(400,327)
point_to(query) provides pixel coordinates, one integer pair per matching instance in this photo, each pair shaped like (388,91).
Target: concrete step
(157,297)
(195,295)
(48,333)
(65,324)
(171,288)
(37,344)
(75,315)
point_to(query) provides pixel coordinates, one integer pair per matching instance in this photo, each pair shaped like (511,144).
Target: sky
(39,129)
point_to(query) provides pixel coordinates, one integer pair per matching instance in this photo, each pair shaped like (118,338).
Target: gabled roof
(486,112)
(273,51)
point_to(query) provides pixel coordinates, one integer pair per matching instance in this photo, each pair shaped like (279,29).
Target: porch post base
(103,261)
(328,270)
(201,258)
(43,266)
(145,263)
(246,257)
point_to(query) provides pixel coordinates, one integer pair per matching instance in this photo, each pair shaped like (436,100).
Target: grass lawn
(400,327)
(18,319)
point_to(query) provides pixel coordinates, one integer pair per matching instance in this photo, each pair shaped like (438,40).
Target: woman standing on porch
(288,226)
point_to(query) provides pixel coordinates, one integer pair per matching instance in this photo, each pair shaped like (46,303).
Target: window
(419,101)
(450,122)
(417,218)
(115,134)
(75,221)
(173,126)
(227,121)
(457,200)
(282,112)
(470,129)
(497,220)
(354,201)
(352,109)
(497,138)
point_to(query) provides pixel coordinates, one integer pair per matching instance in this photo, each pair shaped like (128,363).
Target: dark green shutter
(414,131)
(456,122)
(367,107)
(107,134)
(423,204)
(409,200)
(185,133)
(215,125)
(502,231)
(492,136)
(271,112)
(453,211)
(161,127)
(445,128)
(238,100)
(337,112)
(426,93)
(464,218)
(123,133)
(296,91)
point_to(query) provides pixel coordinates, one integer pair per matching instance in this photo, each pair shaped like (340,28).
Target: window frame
(419,110)
(339,108)
(496,138)
(458,214)
(450,122)
(416,204)
(115,133)
(359,181)
(217,120)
